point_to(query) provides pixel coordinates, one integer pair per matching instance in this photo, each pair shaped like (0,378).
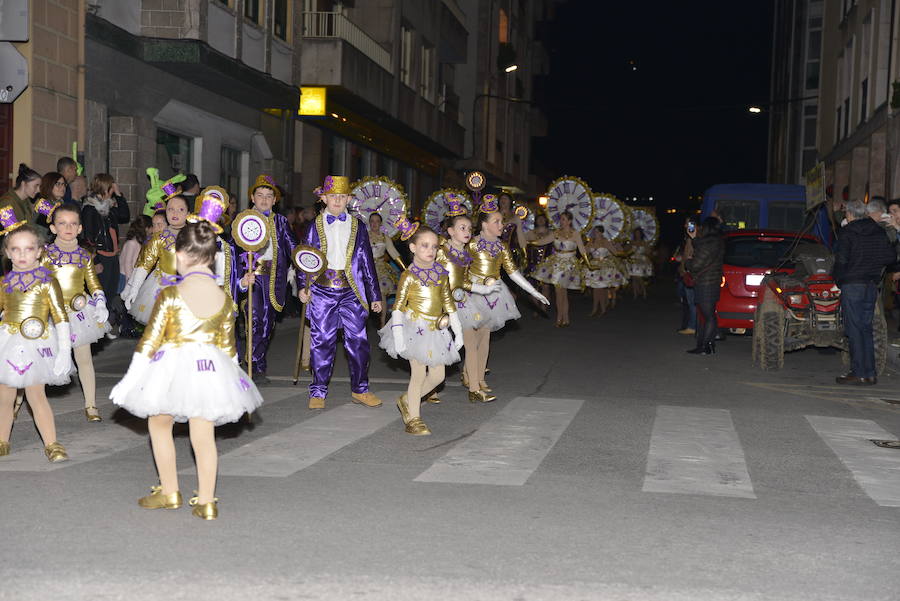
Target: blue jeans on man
(688,311)
(858,310)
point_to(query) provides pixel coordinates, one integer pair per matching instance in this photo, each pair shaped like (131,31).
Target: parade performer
(513,234)
(211,204)
(417,330)
(489,254)
(269,276)
(603,275)
(342,296)
(35,352)
(639,264)
(536,253)
(383,250)
(562,269)
(185,369)
(156,260)
(73,268)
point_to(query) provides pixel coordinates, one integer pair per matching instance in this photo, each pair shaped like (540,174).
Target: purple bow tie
(330,218)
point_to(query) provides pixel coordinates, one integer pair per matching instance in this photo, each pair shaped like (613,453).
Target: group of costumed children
(184,287)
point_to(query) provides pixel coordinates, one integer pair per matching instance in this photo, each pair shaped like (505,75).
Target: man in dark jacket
(862,253)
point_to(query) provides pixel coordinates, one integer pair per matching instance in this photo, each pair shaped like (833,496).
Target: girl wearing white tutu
(489,254)
(185,369)
(383,250)
(73,268)
(417,330)
(639,264)
(156,260)
(603,275)
(34,352)
(562,269)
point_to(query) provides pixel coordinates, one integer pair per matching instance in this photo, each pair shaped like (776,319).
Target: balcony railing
(336,25)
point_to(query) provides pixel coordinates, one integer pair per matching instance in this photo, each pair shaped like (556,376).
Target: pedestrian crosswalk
(689,450)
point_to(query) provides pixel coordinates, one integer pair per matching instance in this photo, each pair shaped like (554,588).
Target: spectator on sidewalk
(21,196)
(686,293)
(861,255)
(705,268)
(68,168)
(79,189)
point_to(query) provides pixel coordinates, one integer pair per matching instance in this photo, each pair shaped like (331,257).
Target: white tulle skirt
(142,306)
(29,362)
(606,275)
(560,269)
(427,346)
(193,380)
(84,325)
(495,309)
(470,313)
(640,266)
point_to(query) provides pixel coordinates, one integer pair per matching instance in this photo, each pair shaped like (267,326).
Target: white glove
(456,326)
(397,331)
(525,285)
(63,362)
(139,364)
(133,286)
(482,289)
(220,268)
(292,280)
(102,311)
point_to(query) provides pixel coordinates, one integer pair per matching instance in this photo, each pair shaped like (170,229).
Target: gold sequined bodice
(72,269)
(456,263)
(489,257)
(424,292)
(158,251)
(172,322)
(28,294)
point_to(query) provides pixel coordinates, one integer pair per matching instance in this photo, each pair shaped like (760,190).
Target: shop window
(173,153)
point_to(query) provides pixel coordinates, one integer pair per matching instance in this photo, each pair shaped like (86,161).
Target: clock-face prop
(32,328)
(309,260)
(250,230)
(573,195)
(612,215)
(476,181)
(526,216)
(435,210)
(645,218)
(378,195)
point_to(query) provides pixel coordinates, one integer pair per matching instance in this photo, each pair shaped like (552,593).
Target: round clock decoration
(645,218)
(573,195)
(309,260)
(32,328)
(250,230)
(526,216)
(379,195)
(435,210)
(612,215)
(476,181)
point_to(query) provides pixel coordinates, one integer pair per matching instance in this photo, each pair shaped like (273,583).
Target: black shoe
(260,379)
(850,378)
(703,349)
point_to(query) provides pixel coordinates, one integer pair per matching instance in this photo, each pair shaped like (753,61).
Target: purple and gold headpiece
(266,181)
(455,206)
(406,227)
(489,204)
(8,220)
(210,206)
(46,207)
(334,184)
(171,191)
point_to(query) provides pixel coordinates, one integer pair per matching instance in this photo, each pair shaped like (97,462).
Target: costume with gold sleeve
(193,369)
(457,263)
(157,258)
(81,290)
(488,258)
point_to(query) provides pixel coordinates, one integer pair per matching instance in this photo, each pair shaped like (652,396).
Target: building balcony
(331,25)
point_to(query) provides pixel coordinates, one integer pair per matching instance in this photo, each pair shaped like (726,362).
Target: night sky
(650,98)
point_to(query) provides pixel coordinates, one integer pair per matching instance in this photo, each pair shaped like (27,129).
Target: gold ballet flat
(480,396)
(366,398)
(92,414)
(417,427)
(484,387)
(433,398)
(4,448)
(404,408)
(157,500)
(204,511)
(56,452)
(465,380)
(316,402)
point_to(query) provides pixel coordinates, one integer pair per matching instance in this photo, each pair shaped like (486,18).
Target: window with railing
(426,84)
(335,25)
(406,47)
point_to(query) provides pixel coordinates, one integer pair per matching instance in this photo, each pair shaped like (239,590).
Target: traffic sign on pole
(13,73)
(14,20)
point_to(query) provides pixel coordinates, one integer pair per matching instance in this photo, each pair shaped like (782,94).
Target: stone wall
(132,148)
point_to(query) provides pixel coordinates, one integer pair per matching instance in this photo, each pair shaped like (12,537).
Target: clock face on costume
(644,218)
(435,210)
(526,215)
(378,195)
(308,259)
(79,301)
(573,195)
(611,214)
(32,328)
(250,230)
(476,181)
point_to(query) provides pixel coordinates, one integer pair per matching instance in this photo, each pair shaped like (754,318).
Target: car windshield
(748,251)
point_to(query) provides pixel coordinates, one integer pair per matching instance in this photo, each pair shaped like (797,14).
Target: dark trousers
(109,280)
(857,311)
(688,310)
(706,297)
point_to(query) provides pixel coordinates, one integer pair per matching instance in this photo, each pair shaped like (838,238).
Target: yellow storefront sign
(312,102)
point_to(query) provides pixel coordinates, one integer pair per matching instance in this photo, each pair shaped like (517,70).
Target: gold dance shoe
(417,427)
(157,500)
(92,414)
(465,380)
(4,448)
(316,402)
(433,398)
(366,398)
(484,387)
(56,452)
(480,396)
(404,408)
(205,511)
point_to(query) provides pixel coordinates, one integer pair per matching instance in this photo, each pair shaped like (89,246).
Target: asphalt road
(612,466)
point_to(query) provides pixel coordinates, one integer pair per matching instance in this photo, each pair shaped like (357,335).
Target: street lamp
(755,109)
(511,68)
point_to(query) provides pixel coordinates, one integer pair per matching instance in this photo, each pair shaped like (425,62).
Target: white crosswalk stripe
(509,447)
(696,450)
(875,469)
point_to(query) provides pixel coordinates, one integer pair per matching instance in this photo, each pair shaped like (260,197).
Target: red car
(750,255)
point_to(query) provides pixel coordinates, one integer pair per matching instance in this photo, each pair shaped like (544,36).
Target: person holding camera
(686,292)
(704,270)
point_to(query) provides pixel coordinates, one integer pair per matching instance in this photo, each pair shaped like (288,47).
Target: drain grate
(885,444)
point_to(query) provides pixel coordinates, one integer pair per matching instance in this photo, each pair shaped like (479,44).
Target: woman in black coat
(705,267)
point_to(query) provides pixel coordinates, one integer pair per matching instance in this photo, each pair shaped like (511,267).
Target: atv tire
(770,329)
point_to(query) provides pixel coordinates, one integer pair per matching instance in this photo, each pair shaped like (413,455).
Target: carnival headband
(46,208)
(334,184)
(455,206)
(171,191)
(210,207)
(8,220)
(489,204)
(266,181)
(406,227)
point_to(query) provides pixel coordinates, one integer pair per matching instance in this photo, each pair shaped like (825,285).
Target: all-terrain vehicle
(802,309)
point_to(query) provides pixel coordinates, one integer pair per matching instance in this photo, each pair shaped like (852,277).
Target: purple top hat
(46,207)
(406,227)
(8,220)
(210,207)
(455,206)
(489,204)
